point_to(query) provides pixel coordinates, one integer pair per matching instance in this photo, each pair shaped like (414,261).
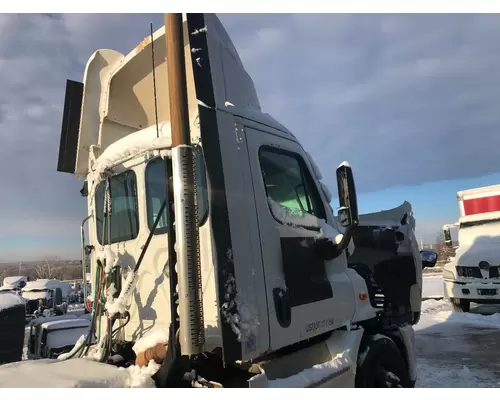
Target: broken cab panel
(387,256)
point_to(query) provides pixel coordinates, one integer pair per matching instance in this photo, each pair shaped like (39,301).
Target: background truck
(210,229)
(14,283)
(46,296)
(473,275)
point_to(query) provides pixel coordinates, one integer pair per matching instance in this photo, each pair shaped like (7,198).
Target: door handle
(282,306)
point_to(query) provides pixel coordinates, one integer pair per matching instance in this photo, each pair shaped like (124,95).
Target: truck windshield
(482,222)
(36,294)
(470,231)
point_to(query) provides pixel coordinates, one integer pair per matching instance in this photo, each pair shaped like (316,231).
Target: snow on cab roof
(9,300)
(12,280)
(134,145)
(42,284)
(7,287)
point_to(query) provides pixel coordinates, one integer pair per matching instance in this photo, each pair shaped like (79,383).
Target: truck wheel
(381,365)
(460,305)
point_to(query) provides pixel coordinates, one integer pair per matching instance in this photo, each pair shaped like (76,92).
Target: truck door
(306,295)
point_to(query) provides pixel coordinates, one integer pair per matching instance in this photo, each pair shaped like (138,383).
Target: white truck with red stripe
(473,275)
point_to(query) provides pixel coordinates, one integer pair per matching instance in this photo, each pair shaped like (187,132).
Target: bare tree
(445,253)
(44,271)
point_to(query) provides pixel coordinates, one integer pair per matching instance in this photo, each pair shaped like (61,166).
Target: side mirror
(447,237)
(429,258)
(348,211)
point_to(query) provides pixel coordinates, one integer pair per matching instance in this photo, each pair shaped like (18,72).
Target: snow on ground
(432,286)
(456,350)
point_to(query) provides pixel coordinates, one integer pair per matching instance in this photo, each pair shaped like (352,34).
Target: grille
(475,272)
(31,306)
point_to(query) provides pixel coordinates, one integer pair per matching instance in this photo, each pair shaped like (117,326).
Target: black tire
(381,365)
(460,305)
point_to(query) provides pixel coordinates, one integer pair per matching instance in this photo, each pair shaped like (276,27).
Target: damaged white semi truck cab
(473,274)
(262,290)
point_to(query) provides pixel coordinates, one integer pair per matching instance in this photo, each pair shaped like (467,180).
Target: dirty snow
(9,300)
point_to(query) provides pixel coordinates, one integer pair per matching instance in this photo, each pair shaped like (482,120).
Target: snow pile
(74,373)
(153,337)
(131,377)
(140,377)
(134,145)
(451,376)
(438,312)
(9,300)
(313,375)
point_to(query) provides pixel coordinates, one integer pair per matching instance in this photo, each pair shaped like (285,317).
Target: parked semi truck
(46,297)
(14,283)
(473,275)
(208,218)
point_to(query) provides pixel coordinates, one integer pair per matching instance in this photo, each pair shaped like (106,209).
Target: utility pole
(191,322)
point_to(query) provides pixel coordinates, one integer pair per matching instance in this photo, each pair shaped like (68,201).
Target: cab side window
(155,192)
(289,183)
(124,218)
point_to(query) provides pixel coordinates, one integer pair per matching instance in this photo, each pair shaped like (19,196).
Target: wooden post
(191,322)
(177,83)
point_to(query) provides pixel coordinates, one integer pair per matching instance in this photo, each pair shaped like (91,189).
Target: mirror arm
(335,250)
(346,238)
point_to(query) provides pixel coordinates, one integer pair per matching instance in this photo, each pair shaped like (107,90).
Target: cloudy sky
(411,101)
